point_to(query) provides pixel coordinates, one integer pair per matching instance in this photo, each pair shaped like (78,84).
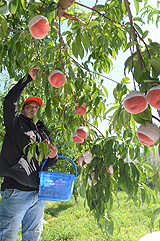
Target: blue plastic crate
(55,186)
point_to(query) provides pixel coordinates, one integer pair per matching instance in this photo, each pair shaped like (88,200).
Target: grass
(71,221)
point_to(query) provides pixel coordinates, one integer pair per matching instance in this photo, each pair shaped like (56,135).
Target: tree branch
(156,118)
(94,127)
(64,46)
(74,18)
(102,15)
(91,70)
(133,32)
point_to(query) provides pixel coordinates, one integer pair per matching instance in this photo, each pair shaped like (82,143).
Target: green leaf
(86,41)
(4,10)
(131,152)
(112,108)
(82,190)
(145,34)
(138,29)
(155,62)
(29,156)
(43,150)
(32,150)
(130,44)
(97,100)
(99,7)
(13,5)
(3,24)
(146,115)
(48,109)
(32,8)
(138,119)
(23,4)
(105,90)
(155,215)
(80,51)
(75,49)
(137,6)
(151,81)
(92,24)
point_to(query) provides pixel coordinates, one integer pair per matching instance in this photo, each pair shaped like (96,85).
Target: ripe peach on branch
(135,102)
(87,157)
(80,160)
(77,139)
(80,110)
(82,132)
(148,134)
(56,78)
(39,26)
(153,97)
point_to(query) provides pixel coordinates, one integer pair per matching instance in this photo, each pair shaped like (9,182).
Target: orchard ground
(73,221)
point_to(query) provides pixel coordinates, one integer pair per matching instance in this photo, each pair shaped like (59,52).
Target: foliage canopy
(82,42)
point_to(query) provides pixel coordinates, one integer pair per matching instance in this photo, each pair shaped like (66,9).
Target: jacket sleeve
(10,105)
(50,163)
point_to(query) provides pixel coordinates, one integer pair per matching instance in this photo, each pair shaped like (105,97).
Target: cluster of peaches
(87,158)
(39,28)
(136,102)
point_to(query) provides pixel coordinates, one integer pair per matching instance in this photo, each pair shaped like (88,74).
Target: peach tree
(79,42)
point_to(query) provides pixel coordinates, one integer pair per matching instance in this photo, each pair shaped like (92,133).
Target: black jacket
(20,131)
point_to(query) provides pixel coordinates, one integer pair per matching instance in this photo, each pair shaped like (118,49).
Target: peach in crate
(148,134)
(39,26)
(135,102)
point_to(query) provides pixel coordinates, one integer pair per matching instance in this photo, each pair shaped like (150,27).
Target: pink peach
(80,110)
(39,26)
(82,132)
(153,97)
(148,134)
(56,78)
(135,102)
(76,138)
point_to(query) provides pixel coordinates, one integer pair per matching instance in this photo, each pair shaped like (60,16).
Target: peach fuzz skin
(57,79)
(135,104)
(77,139)
(81,133)
(80,110)
(40,28)
(154,98)
(145,139)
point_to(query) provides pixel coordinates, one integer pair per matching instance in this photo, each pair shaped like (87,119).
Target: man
(20,203)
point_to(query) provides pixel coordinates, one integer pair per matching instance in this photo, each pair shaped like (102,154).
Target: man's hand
(52,151)
(33,72)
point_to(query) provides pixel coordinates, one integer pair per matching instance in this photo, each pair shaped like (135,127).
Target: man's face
(30,109)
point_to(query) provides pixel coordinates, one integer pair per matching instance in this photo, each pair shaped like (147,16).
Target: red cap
(34,98)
